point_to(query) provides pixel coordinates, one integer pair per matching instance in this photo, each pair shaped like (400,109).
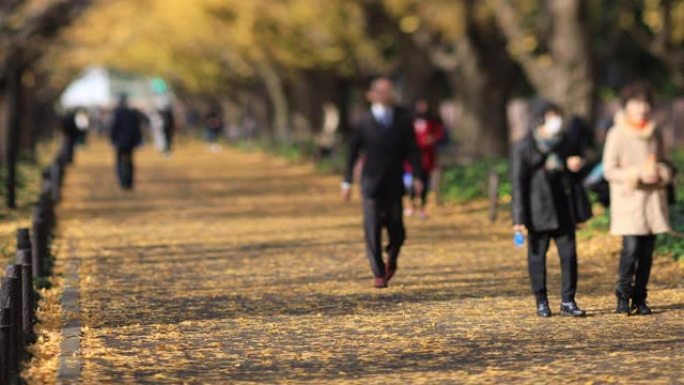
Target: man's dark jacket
(533,198)
(386,150)
(126,128)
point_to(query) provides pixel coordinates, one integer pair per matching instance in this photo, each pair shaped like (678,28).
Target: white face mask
(553,125)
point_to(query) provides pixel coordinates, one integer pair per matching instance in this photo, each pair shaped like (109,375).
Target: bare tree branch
(660,45)
(508,19)
(51,19)
(442,54)
(7,8)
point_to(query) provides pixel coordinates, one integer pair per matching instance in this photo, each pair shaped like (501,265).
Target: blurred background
(291,74)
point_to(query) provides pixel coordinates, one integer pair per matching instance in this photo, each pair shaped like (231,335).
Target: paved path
(237,268)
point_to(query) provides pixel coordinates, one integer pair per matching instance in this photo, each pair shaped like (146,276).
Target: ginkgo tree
(209,45)
(26,28)
(461,38)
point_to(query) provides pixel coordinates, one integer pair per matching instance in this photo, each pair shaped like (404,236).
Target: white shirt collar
(380,111)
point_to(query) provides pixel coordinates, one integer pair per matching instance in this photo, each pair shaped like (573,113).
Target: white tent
(91,89)
(100,87)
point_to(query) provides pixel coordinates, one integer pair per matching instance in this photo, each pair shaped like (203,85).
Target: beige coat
(635,208)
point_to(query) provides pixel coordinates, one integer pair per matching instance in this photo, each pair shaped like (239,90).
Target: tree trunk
(343,102)
(417,72)
(483,127)
(29,120)
(278,97)
(4,111)
(13,116)
(481,75)
(572,58)
(564,74)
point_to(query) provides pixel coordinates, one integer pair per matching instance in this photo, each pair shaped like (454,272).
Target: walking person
(385,134)
(70,131)
(156,127)
(126,135)
(429,131)
(636,168)
(214,128)
(168,127)
(548,203)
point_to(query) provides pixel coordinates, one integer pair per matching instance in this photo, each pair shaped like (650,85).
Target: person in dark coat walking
(548,203)
(168,127)
(126,135)
(71,132)
(385,134)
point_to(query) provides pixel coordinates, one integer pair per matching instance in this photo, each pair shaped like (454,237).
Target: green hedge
(462,183)
(671,244)
(297,152)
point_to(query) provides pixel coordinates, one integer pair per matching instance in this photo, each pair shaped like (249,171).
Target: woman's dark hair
(639,90)
(539,108)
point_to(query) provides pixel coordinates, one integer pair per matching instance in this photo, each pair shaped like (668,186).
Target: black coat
(534,203)
(126,128)
(69,126)
(386,151)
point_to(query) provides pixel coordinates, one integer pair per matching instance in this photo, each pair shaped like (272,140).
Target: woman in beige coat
(634,165)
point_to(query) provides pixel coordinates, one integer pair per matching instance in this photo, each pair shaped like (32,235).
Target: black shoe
(543,309)
(640,308)
(570,309)
(622,306)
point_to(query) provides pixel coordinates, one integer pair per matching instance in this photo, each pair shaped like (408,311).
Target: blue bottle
(519,239)
(408,180)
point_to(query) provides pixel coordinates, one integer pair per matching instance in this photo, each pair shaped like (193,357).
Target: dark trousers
(636,260)
(379,213)
(168,139)
(68,149)
(536,257)
(426,189)
(124,167)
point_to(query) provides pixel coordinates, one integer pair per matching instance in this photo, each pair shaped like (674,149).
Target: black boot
(570,309)
(543,309)
(622,305)
(640,308)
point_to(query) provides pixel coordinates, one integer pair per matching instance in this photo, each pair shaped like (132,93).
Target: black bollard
(4,345)
(39,249)
(13,271)
(47,211)
(27,308)
(46,191)
(23,239)
(8,302)
(493,194)
(47,176)
(56,181)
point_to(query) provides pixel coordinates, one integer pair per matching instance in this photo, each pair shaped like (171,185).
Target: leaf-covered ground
(240,268)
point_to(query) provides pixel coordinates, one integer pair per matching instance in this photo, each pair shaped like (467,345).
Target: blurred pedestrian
(126,135)
(71,132)
(635,165)
(83,123)
(548,203)
(213,128)
(429,132)
(168,127)
(385,134)
(157,130)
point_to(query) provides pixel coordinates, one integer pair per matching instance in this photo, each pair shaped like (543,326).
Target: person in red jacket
(429,131)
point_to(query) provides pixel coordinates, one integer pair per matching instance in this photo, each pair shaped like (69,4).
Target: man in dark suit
(126,135)
(385,134)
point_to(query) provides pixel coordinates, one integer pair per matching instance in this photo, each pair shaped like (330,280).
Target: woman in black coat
(548,203)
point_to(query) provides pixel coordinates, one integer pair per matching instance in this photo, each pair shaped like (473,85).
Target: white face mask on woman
(553,125)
